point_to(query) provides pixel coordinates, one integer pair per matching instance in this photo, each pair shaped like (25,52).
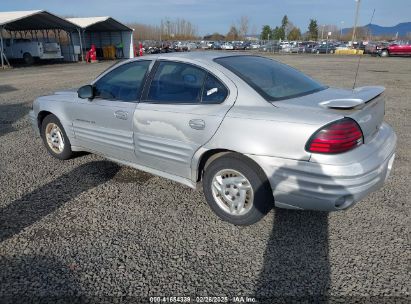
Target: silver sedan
(254,132)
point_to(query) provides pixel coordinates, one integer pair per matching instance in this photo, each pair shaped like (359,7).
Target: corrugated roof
(33,20)
(105,23)
(87,21)
(6,17)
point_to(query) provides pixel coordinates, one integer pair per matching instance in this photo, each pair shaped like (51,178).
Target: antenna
(359,56)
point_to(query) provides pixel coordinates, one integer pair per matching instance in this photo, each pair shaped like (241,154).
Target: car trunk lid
(365,105)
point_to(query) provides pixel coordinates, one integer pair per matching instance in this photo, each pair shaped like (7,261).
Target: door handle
(121,114)
(197,124)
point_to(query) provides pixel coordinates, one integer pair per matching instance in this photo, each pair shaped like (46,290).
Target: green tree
(278,33)
(313,29)
(295,34)
(266,32)
(274,33)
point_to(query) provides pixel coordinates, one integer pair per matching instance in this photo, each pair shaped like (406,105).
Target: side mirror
(86,91)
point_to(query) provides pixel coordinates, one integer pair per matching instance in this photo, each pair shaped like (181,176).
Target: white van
(30,51)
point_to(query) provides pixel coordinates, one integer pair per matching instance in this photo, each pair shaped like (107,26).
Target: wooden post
(2,48)
(81,44)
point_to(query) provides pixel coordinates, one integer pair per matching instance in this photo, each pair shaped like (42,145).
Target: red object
(140,46)
(91,55)
(337,137)
(399,49)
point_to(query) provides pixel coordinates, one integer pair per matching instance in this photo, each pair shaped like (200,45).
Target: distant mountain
(401,28)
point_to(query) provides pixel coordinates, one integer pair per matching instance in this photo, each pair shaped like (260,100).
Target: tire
(55,138)
(231,169)
(28,59)
(385,53)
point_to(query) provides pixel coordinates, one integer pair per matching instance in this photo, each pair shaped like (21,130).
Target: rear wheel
(55,138)
(28,59)
(237,190)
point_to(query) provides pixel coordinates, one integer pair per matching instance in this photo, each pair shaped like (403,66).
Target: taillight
(337,137)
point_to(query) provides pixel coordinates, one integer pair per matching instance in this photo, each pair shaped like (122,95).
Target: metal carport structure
(103,31)
(31,22)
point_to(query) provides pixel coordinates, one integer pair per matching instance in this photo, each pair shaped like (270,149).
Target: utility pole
(357,9)
(369,30)
(322,32)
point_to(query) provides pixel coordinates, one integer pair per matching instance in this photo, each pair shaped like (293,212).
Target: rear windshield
(271,79)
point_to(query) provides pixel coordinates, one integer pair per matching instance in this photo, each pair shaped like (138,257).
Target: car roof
(195,55)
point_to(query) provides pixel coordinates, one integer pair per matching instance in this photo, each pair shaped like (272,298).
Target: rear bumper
(51,56)
(334,184)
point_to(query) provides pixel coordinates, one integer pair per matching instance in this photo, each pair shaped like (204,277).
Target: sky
(217,15)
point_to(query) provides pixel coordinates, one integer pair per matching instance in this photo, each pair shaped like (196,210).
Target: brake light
(337,137)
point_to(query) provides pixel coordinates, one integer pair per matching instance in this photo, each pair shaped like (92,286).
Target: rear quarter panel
(267,131)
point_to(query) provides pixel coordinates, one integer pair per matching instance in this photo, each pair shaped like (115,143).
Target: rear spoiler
(358,99)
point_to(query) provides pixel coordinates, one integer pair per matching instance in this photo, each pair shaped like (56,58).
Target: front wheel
(237,190)
(55,138)
(384,53)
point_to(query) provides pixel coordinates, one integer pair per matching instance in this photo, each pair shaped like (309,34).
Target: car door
(395,49)
(182,108)
(104,124)
(407,48)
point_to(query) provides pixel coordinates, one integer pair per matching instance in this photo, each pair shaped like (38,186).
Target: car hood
(70,92)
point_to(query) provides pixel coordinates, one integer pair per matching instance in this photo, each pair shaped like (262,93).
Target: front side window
(176,82)
(271,79)
(123,83)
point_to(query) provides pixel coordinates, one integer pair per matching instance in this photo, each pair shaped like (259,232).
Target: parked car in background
(285,46)
(324,49)
(239,46)
(192,46)
(341,46)
(310,47)
(252,46)
(180,46)
(294,47)
(216,46)
(209,44)
(255,132)
(271,46)
(375,47)
(361,45)
(302,46)
(31,51)
(401,48)
(227,46)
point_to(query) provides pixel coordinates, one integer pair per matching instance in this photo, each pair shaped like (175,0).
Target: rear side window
(271,79)
(214,91)
(123,83)
(176,82)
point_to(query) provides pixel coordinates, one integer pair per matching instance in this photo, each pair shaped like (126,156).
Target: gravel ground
(89,230)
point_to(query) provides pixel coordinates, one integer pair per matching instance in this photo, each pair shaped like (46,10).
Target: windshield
(271,79)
